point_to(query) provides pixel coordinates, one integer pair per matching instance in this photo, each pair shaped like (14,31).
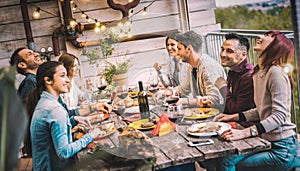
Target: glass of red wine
(102,84)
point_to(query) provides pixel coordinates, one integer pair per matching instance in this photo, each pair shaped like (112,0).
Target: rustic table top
(169,150)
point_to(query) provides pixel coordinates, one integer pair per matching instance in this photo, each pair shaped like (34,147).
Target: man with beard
(27,63)
(198,86)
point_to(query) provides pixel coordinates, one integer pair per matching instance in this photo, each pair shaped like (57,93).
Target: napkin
(163,118)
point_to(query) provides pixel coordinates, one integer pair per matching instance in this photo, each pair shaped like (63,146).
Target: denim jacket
(51,136)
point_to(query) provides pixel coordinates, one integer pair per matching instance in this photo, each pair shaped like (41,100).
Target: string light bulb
(74,7)
(97,29)
(73,23)
(102,27)
(130,0)
(36,13)
(83,15)
(97,23)
(144,11)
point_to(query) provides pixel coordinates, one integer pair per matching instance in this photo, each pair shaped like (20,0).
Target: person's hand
(95,132)
(168,92)
(235,134)
(157,66)
(205,102)
(83,121)
(104,107)
(223,118)
(220,82)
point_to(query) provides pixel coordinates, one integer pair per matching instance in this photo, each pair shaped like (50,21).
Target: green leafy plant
(106,47)
(121,67)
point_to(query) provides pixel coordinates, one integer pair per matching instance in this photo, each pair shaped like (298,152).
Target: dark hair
(170,36)
(68,61)
(279,51)
(46,69)
(190,38)
(15,59)
(242,39)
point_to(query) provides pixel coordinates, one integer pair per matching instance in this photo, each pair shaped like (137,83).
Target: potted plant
(117,72)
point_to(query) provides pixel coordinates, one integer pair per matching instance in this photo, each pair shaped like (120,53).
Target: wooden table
(170,150)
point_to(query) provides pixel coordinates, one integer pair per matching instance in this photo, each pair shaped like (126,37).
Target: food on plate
(132,133)
(97,118)
(147,124)
(165,128)
(209,127)
(205,103)
(130,102)
(134,144)
(105,128)
(133,94)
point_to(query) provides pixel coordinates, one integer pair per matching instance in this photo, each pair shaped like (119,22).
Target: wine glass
(102,84)
(153,87)
(121,93)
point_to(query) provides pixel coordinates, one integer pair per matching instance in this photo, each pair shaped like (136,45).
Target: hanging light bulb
(83,15)
(36,13)
(102,27)
(74,7)
(97,29)
(71,1)
(130,0)
(97,23)
(144,11)
(130,12)
(73,23)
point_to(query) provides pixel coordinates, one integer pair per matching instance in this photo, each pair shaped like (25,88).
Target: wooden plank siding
(162,17)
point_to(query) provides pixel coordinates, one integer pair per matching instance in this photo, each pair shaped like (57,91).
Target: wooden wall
(162,17)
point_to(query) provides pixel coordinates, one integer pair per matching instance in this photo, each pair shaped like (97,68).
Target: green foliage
(277,18)
(121,67)
(240,17)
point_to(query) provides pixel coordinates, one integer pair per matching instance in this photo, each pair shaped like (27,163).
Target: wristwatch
(253,131)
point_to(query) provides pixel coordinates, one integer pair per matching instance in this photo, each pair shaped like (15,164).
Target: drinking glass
(102,84)
(121,93)
(153,87)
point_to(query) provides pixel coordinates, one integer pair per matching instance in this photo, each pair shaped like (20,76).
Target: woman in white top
(71,63)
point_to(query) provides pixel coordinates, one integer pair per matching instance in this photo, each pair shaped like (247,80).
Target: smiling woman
(50,122)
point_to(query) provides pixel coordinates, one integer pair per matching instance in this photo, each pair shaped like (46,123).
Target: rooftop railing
(213,43)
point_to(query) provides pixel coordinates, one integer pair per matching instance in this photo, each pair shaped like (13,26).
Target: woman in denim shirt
(52,145)
(272,96)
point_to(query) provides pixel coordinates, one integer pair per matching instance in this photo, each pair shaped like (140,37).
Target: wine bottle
(143,102)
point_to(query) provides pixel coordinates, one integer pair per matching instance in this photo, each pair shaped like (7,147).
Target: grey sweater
(272,96)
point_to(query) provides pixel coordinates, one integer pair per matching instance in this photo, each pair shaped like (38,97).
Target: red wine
(102,87)
(171,100)
(153,85)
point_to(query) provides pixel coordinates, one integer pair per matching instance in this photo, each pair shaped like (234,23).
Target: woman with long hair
(272,96)
(71,63)
(50,128)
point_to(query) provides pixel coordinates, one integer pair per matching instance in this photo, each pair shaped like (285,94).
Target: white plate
(135,109)
(192,130)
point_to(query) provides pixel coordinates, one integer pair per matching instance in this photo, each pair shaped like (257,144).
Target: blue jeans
(280,157)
